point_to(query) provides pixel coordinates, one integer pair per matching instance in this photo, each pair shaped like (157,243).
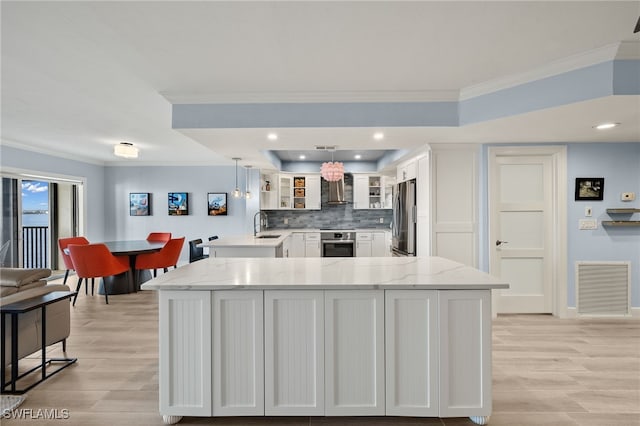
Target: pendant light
(247,176)
(332,171)
(236,192)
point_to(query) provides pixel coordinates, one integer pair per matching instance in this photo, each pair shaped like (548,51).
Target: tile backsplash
(342,216)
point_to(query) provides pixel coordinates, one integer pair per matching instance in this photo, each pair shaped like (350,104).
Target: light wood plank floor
(546,371)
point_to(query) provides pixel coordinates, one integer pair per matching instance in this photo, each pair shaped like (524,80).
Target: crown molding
(50,152)
(570,63)
(629,50)
(311,97)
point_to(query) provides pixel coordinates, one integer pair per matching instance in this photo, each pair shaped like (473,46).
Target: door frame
(558,243)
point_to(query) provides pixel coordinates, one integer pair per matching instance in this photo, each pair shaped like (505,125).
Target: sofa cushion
(16,277)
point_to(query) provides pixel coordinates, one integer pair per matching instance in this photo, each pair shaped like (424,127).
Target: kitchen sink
(269,236)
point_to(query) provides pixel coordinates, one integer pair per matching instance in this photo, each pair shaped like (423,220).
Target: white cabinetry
(286,247)
(185,345)
(465,347)
(411,330)
(373,244)
(238,354)
(407,171)
(421,353)
(296,248)
(294,352)
(380,244)
(285,190)
(312,244)
(354,361)
(269,191)
(363,244)
(291,191)
(369,192)
(313,192)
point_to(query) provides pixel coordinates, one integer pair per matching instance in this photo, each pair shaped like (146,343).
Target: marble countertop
(325,273)
(249,240)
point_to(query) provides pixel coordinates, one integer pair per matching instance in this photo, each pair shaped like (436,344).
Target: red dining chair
(96,261)
(63,243)
(162,237)
(167,256)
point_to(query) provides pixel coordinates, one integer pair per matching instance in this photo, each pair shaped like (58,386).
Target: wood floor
(546,371)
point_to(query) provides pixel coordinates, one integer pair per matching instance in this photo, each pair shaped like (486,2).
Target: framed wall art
(589,189)
(139,204)
(178,204)
(217,203)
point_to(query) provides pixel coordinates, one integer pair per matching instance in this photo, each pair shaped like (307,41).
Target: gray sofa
(17,284)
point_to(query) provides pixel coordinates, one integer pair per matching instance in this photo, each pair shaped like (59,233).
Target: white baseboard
(573,313)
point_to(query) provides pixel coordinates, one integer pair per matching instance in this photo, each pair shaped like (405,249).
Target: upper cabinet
(290,191)
(407,171)
(372,191)
(269,191)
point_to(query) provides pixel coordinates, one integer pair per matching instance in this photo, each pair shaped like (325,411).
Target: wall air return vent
(603,288)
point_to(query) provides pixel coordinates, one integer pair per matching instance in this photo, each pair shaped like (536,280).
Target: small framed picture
(589,189)
(178,204)
(139,204)
(217,203)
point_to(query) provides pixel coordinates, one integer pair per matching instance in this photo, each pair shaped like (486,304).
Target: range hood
(336,192)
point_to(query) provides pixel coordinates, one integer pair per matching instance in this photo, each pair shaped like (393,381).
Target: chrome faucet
(260,222)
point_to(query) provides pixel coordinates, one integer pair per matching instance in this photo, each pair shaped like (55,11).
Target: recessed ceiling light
(272,136)
(302,156)
(605,126)
(378,136)
(357,156)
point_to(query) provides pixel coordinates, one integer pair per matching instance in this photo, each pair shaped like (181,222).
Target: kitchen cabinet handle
(499,243)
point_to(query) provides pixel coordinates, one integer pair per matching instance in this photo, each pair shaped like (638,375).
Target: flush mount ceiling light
(247,176)
(236,192)
(378,136)
(272,136)
(125,150)
(605,126)
(332,171)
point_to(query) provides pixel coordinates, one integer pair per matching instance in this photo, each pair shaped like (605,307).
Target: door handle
(499,243)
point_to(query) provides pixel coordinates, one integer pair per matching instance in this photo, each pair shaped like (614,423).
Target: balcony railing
(35,246)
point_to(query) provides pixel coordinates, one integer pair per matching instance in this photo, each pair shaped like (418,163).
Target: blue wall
(619,164)
(42,163)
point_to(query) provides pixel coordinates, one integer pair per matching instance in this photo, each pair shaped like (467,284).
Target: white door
(522,230)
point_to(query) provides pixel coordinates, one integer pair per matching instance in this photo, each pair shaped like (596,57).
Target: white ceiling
(79,77)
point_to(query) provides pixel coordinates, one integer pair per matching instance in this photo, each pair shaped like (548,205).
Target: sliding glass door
(35,213)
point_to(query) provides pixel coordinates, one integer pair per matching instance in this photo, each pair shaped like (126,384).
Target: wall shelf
(621,223)
(622,211)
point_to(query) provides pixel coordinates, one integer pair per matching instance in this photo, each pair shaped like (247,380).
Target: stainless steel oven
(338,243)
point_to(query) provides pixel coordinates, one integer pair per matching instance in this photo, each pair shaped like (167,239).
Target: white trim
(81,181)
(558,154)
(47,151)
(312,97)
(629,50)
(570,63)
(572,313)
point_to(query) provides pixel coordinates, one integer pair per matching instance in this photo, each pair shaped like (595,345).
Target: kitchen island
(395,336)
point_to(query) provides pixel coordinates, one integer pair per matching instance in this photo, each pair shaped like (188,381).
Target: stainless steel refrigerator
(403,226)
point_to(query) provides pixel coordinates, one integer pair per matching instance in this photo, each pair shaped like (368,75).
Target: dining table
(120,284)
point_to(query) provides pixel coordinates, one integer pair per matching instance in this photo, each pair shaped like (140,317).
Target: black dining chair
(214,237)
(196,253)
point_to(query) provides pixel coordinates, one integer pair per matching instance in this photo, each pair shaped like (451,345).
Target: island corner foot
(480,420)
(171,420)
